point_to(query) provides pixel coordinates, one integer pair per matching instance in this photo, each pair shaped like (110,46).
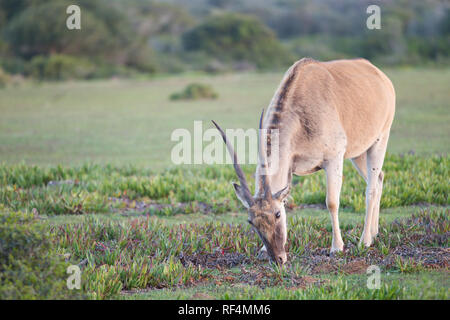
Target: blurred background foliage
(127,38)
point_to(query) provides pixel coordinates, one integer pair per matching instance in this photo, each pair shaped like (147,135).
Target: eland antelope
(324,112)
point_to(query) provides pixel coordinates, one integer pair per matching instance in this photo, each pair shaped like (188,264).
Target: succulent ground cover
(123,227)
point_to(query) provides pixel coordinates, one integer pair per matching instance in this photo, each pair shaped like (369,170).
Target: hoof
(366,242)
(336,247)
(374,232)
(335,251)
(262,254)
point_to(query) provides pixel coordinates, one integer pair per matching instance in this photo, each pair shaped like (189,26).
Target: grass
(89,164)
(130,121)
(418,286)
(95,189)
(239,217)
(145,258)
(130,253)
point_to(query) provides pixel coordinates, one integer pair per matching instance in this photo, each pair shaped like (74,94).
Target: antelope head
(266,209)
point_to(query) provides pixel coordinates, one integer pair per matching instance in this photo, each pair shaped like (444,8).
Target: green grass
(240,217)
(409,180)
(142,256)
(130,121)
(425,285)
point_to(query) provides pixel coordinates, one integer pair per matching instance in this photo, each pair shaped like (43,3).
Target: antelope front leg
(333,171)
(262,254)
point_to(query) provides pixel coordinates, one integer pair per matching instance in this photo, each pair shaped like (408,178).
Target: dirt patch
(263,276)
(202,296)
(325,267)
(215,260)
(429,257)
(355,267)
(305,282)
(335,266)
(319,261)
(431,239)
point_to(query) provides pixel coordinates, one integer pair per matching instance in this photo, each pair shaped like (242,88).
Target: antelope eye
(278,214)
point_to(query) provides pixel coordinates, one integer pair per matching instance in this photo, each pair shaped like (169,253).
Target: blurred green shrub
(60,67)
(318,47)
(237,37)
(195,91)
(13,65)
(4,78)
(39,29)
(29,266)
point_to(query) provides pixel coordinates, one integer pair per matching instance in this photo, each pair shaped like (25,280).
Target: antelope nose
(281,259)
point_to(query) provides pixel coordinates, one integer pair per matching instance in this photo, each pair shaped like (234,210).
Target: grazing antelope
(324,112)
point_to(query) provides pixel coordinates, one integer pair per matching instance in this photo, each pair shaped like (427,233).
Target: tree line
(124,38)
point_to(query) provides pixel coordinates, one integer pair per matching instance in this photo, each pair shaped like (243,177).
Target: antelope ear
(241,195)
(282,194)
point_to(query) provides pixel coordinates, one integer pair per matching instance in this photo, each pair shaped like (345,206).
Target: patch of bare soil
(202,296)
(429,239)
(306,282)
(429,257)
(327,264)
(215,260)
(324,267)
(320,262)
(264,276)
(251,272)
(355,267)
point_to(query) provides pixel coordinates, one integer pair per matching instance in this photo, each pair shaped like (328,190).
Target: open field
(130,121)
(98,186)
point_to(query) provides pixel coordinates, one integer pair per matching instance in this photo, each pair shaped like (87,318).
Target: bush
(321,47)
(4,78)
(195,91)
(236,37)
(13,65)
(60,67)
(40,29)
(29,266)
(169,63)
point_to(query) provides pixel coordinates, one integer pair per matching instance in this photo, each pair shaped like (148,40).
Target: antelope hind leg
(360,163)
(376,209)
(375,159)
